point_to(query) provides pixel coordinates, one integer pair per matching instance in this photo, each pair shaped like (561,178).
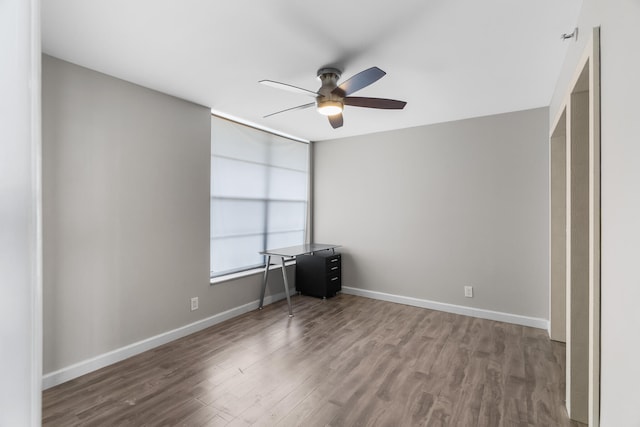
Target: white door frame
(585,83)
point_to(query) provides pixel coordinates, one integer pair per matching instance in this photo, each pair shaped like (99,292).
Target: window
(258,195)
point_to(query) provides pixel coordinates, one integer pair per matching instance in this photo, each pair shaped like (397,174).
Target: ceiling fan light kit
(331,98)
(328,107)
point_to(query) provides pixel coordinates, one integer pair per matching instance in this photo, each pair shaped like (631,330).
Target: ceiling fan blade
(288,87)
(387,104)
(299,107)
(336,120)
(359,81)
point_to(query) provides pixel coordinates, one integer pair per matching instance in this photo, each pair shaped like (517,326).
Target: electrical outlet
(468,291)
(194,303)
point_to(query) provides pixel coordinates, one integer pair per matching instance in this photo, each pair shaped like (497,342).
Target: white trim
(241,121)
(516,319)
(36,194)
(86,366)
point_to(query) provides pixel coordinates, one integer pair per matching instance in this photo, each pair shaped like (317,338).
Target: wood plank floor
(346,361)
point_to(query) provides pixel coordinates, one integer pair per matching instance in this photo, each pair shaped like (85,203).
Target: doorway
(575,236)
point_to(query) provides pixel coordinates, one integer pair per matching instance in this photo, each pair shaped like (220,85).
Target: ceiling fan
(331,98)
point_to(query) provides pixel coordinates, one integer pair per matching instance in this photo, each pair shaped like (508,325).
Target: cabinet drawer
(334,279)
(333,268)
(334,284)
(333,259)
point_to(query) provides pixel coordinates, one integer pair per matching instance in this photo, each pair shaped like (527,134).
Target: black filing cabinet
(319,274)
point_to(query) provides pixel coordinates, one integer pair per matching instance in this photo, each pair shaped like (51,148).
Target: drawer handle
(334,260)
(335,278)
(334,268)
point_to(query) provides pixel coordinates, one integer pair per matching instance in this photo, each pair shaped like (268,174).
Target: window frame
(230,274)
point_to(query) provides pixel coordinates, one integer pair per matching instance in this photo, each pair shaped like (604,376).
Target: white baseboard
(81,368)
(534,322)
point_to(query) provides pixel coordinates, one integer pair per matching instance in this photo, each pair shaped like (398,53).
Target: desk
(290,252)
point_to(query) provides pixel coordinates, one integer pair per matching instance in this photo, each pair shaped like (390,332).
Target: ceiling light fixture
(330,108)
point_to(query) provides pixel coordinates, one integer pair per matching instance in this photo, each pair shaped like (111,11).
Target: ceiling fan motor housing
(329,103)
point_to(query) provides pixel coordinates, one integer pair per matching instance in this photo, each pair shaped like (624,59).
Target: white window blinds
(258,195)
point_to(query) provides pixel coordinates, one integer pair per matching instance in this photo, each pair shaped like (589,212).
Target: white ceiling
(448,59)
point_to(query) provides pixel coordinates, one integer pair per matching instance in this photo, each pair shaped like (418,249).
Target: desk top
(299,250)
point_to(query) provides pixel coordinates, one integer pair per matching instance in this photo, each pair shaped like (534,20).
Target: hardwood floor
(346,361)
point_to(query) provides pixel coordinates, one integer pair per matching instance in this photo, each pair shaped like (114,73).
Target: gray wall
(126,215)
(422,212)
(620,199)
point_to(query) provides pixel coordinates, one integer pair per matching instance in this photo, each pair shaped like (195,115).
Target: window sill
(246,273)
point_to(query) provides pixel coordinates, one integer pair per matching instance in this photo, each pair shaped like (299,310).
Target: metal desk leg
(286,287)
(264,281)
